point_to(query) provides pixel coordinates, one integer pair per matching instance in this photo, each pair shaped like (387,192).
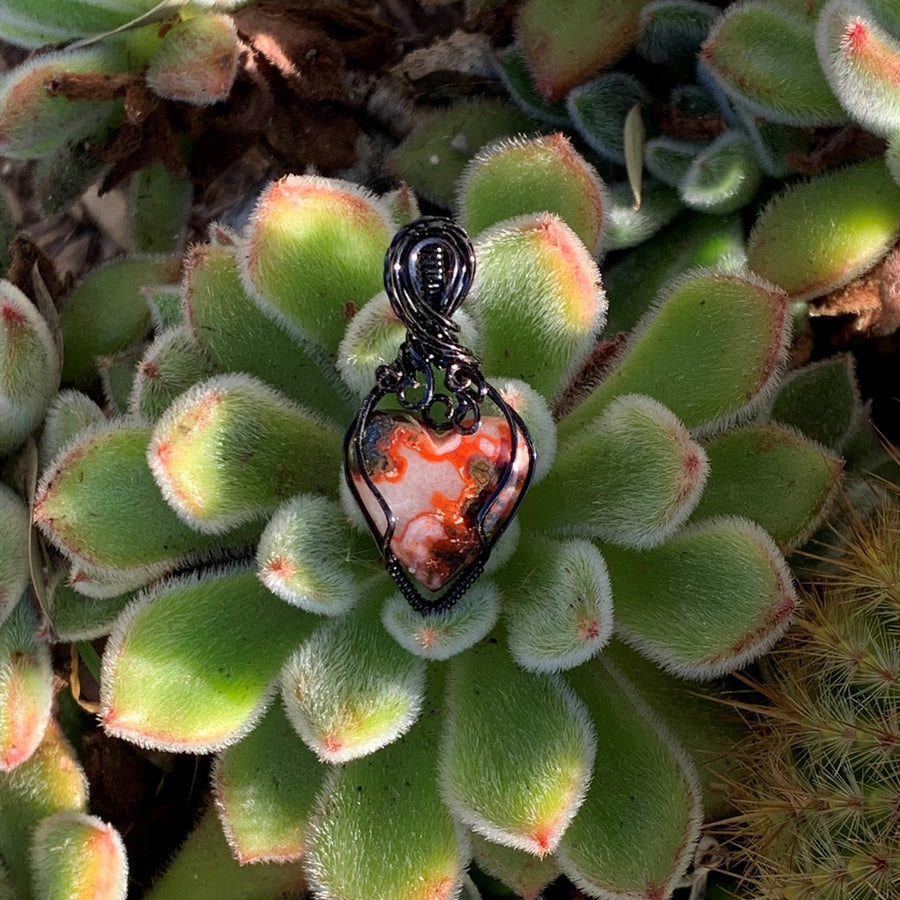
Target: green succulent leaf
(98,504)
(644,795)
(173,362)
(433,157)
(196,61)
(598,109)
(159,201)
(762,54)
(14,537)
(538,298)
(313,254)
(629,224)
(772,476)
(173,675)
(709,600)
(164,303)
(527,875)
(671,31)
(632,477)
(106,312)
(117,375)
(564,44)
(518,177)
(822,400)
(779,149)
(558,603)
(231,449)
(518,750)
(36,23)
(851,218)
(860,60)
(440,635)
(381,828)
(49,781)
(73,616)
(723,177)
(77,855)
(350,689)
(26,687)
(711,350)
(238,337)
(265,786)
(516,77)
(29,367)
(69,413)
(669,159)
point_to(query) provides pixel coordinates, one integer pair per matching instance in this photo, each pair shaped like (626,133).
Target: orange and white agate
(437,486)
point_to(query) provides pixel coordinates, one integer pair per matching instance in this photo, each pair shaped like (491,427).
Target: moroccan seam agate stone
(436,480)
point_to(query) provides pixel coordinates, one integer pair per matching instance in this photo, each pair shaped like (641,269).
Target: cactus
(208,540)
(817,786)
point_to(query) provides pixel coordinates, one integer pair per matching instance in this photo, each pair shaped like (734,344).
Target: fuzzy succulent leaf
(525,873)
(692,241)
(631,477)
(231,449)
(314,253)
(35,23)
(69,413)
(558,603)
(106,312)
(779,149)
(762,54)
(518,177)
(434,155)
(73,616)
(29,367)
(350,689)
(196,61)
(518,750)
(14,537)
(205,868)
(158,204)
(538,298)
(441,635)
(117,374)
(207,689)
(26,687)
(99,505)
(75,856)
(164,303)
(516,77)
(724,573)
(34,122)
(565,44)
(860,60)
(671,31)
(238,337)
(265,787)
(381,828)
(822,400)
(598,109)
(635,833)
(772,476)
(173,362)
(723,177)
(629,224)
(670,159)
(49,781)
(711,350)
(851,218)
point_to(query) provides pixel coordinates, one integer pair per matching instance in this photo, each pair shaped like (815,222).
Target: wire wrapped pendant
(437,479)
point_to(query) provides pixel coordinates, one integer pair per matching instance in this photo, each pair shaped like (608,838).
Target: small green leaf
(851,218)
(265,787)
(514,73)
(174,677)
(635,834)
(314,253)
(671,32)
(232,449)
(711,349)
(723,177)
(69,413)
(523,872)
(72,616)
(517,177)
(26,687)
(632,477)
(772,476)
(709,600)
(77,855)
(669,159)
(518,750)
(629,225)
(350,689)
(158,205)
(14,537)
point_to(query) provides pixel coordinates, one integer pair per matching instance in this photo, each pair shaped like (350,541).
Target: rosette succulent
(200,525)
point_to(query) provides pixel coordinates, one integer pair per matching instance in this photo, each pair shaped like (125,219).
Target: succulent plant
(819,780)
(201,526)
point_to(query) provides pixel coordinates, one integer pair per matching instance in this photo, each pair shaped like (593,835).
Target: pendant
(436,480)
